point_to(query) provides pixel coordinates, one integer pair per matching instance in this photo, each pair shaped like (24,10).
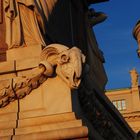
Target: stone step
(66,133)
(46,119)
(48,127)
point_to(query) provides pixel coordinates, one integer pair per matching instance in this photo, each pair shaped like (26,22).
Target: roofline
(119,89)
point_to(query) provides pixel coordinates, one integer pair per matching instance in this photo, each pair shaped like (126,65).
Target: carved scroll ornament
(55,59)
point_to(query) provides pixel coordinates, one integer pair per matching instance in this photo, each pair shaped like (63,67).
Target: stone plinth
(46,113)
(52,97)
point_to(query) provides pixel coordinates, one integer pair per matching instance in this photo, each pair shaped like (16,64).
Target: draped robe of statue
(25,21)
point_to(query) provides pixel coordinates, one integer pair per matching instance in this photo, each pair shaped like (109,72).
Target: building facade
(127,101)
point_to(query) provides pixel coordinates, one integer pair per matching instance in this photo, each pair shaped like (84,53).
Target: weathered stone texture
(3,46)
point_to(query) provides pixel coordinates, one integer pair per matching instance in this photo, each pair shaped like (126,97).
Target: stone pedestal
(46,113)
(52,97)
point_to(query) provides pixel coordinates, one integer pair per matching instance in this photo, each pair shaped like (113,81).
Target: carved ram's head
(68,63)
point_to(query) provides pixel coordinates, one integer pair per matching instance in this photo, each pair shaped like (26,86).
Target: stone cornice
(132,115)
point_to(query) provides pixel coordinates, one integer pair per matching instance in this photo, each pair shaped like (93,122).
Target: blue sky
(115,39)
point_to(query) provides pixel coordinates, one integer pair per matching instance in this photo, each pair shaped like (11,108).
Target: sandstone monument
(52,78)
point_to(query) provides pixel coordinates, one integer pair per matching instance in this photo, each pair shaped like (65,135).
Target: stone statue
(25,21)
